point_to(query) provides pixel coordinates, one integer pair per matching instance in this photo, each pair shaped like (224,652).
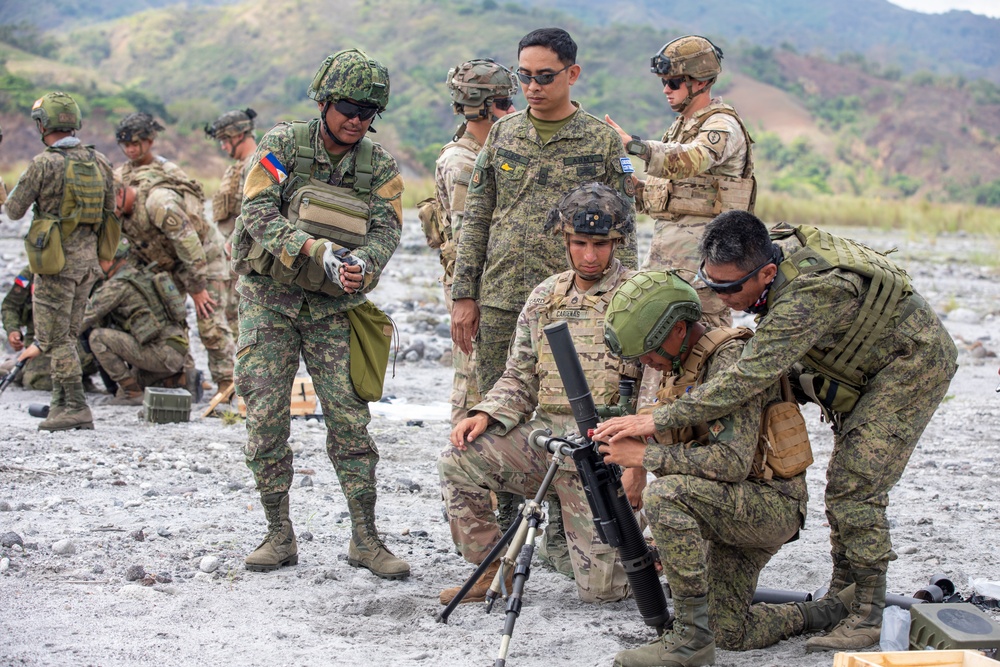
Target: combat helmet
(692,55)
(476,82)
(56,112)
(592,208)
(231,124)
(136,127)
(645,309)
(351,74)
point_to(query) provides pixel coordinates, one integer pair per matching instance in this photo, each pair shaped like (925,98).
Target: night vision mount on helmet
(136,127)
(592,208)
(691,56)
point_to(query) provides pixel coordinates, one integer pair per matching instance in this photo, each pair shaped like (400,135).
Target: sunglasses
(540,79)
(503,103)
(352,110)
(673,84)
(730,287)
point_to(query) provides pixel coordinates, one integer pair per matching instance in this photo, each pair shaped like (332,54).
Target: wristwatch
(638,148)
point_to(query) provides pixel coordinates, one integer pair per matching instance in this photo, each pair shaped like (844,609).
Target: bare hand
(16,340)
(203,303)
(464,323)
(632,426)
(29,352)
(625,136)
(351,277)
(626,452)
(634,481)
(469,429)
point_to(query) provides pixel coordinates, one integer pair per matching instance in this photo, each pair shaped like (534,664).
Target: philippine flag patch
(272,166)
(22,281)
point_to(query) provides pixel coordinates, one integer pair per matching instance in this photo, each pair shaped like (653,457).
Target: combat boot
(554,551)
(367,549)
(863,624)
(279,547)
(129,393)
(75,413)
(841,576)
(58,402)
(824,614)
(478,591)
(690,643)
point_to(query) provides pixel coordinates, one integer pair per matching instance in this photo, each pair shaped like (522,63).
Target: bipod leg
(442,616)
(522,570)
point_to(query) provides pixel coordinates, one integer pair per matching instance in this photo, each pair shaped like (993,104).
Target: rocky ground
(125,545)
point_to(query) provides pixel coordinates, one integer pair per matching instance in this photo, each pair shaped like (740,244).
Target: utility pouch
(143,326)
(43,245)
(783,448)
(108,236)
(429,212)
(830,394)
(329,212)
(242,245)
(371,337)
(171,298)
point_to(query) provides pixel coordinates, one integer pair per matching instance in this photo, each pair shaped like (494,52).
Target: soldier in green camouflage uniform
(128,301)
(593,219)
(702,166)
(716,517)
(59,299)
(280,319)
(17,313)
(864,345)
(234,132)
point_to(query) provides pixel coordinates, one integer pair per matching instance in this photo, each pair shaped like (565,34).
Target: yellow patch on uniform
(258,180)
(391,191)
(506,167)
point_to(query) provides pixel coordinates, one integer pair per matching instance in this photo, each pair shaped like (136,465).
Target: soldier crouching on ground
(593,219)
(304,272)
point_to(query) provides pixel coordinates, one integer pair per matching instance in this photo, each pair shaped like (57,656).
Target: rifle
(7,379)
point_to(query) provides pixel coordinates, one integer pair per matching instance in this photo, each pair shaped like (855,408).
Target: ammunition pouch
(108,237)
(783,448)
(143,326)
(328,212)
(830,394)
(430,213)
(704,196)
(173,302)
(43,245)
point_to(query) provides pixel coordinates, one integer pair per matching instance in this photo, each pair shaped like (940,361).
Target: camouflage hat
(57,111)
(692,56)
(475,82)
(351,75)
(137,126)
(231,124)
(645,309)
(592,208)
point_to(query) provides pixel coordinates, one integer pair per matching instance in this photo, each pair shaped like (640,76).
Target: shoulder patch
(272,165)
(714,137)
(23,280)
(391,192)
(257,181)
(626,165)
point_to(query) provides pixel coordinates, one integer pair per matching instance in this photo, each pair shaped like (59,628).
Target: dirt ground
(73,506)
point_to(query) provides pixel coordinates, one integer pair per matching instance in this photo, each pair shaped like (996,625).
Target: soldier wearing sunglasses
(702,167)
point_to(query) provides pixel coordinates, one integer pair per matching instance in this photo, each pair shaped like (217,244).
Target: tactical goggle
(352,110)
(731,287)
(674,83)
(540,79)
(502,103)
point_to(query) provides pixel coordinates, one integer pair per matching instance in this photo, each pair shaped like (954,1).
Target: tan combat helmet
(231,124)
(137,126)
(692,56)
(476,83)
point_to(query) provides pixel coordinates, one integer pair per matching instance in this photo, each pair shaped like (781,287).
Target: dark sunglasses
(730,287)
(673,84)
(503,103)
(352,110)
(540,79)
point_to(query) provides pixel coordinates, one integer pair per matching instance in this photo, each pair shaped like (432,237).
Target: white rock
(100,473)
(209,564)
(4,565)
(64,547)
(964,315)
(137,592)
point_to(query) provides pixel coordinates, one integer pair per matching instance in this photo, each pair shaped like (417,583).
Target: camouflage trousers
(464,388)
(232,303)
(268,357)
(508,463)
(37,373)
(216,335)
(675,246)
(878,436)
(496,329)
(714,538)
(121,355)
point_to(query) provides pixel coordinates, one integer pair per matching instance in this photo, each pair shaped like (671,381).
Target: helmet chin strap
(233,147)
(676,359)
(329,133)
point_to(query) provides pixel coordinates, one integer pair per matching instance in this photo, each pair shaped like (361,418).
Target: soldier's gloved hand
(317,249)
(344,269)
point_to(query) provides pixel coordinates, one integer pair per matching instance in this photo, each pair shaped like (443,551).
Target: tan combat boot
(58,401)
(75,413)
(478,591)
(863,624)
(279,547)
(129,393)
(554,551)
(690,643)
(824,614)
(367,549)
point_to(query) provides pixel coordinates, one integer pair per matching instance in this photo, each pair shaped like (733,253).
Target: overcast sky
(987,7)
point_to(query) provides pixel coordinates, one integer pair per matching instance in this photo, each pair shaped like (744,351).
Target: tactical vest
(705,195)
(341,215)
(164,304)
(226,201)
(584,313)
(148,240)
(833,378)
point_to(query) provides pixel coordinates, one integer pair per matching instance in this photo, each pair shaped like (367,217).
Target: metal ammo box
(165,406)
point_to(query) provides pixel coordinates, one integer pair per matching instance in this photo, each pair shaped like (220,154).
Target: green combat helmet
(475,83)
(691,55)
(56,112)
(645,309)
(592,208)
(136,127)
(231,124)
(351,75)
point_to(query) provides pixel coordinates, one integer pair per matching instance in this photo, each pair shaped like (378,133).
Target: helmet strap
(460,132)
(326,128)
(233,147)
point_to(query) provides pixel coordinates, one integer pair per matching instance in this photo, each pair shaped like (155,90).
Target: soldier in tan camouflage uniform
(146,338)
(70,188)
(234,132)
(299,291)
(136,133)
(863,345)
(490,449)
(702,166)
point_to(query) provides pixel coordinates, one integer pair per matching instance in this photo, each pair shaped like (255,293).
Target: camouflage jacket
(16,308)
(126,172)
(732,438)
(515,396)
(226,202)
(261,218)
(707,143)
(118,299)
(814,311)
(504,251)
(453,168)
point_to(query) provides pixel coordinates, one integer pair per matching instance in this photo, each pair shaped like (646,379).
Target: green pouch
(827,392)
(108,237)
(43,245)
(371,337)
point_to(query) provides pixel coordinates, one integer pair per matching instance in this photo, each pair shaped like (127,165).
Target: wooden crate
(302,401)
(914,659)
